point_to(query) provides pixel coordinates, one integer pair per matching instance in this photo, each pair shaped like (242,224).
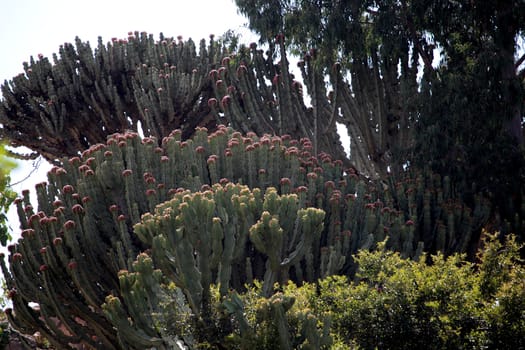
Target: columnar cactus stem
(267,237)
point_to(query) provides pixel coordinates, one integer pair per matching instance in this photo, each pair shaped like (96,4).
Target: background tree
(376,91)
(471,124)
(461,115)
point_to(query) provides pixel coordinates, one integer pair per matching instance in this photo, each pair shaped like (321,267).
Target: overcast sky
(31,27)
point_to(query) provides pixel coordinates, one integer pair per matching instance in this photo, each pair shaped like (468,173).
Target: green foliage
(327,26)
(440,303)
(282,321)
(436,302)
(404,304)
(502,284)
(7,196)
(230,40)
(483,121)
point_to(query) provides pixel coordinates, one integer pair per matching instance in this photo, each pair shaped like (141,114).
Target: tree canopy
(443,82)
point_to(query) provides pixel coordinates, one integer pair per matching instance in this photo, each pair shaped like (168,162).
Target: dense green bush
(502,284)
(433,303)
(7,195)
(405,304)
(436,302)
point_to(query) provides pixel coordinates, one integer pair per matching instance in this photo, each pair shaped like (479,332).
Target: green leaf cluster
(433,303)
(7,195)
(436,302)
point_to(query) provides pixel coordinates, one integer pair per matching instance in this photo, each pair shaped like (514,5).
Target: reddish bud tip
(285,181)
(28,233)
(301,189)
(77,209)
(241,70)
(275,79)
(67,189)
(329,185)
(69,224)
(214,74)
(225,101)
(311,176)
(212,102)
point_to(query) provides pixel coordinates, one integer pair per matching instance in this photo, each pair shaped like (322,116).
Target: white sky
(30,27)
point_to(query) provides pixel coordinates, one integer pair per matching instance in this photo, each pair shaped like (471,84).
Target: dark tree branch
(519,61)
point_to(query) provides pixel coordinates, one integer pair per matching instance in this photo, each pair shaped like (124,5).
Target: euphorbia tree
(59,108)
(301,218)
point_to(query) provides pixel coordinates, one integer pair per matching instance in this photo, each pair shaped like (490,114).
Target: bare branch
(519,61)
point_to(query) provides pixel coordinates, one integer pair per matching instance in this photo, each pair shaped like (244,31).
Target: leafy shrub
(502,284)
(436,302)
